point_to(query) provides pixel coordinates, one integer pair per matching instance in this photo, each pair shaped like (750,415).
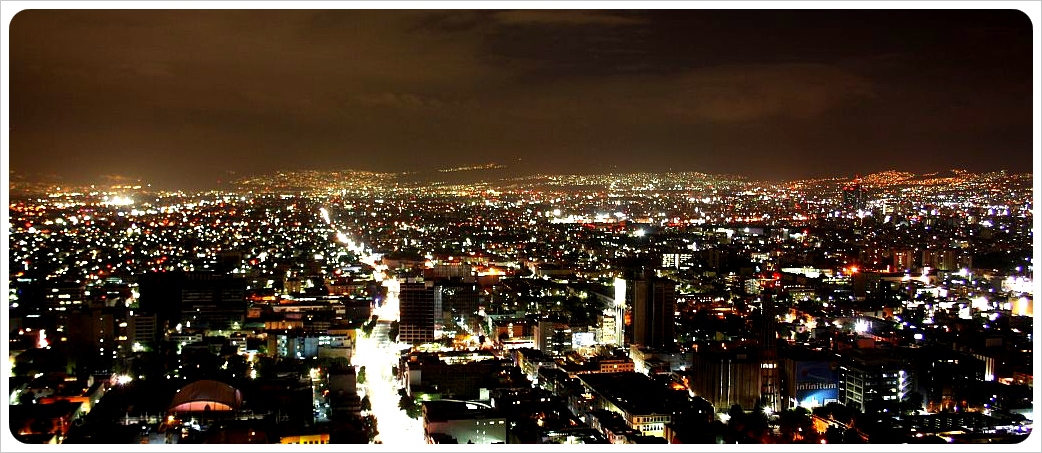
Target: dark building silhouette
(652,301)
(727,376)
(204,299)
(855,197)
(417,311)
(458,299)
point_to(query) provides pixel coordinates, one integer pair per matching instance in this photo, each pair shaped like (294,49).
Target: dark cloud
(182,97)
(556,17)
(751,92)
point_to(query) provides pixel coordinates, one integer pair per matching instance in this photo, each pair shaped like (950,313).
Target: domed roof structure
(204,395)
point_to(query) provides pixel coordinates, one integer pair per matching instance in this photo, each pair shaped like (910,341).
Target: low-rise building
(463,422)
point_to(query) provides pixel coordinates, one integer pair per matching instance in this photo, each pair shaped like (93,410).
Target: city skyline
(128,293)
(397,228)
(190,98)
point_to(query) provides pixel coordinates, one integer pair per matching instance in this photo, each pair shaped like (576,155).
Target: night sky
(185,98)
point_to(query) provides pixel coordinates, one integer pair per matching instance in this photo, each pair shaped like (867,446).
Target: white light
(861,326)
(620,291)
(639,233)
(119,201)
(124,379)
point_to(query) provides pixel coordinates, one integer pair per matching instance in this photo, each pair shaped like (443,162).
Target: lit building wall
(1023,306)
(608,331)
(306,439)
(620,310)
(553,338)
(726,379)
(141,328)
(871,384)
(653,302)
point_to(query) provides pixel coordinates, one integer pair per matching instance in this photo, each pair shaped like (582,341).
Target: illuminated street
(377,354)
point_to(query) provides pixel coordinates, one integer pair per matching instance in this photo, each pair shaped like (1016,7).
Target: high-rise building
(727,376)
(904,260)
(204,299)
(608,333)
(63,296)
(213,300)
(652,302)
(942,259)
(417,312)
(141,329)
(855,197)
(873,379)
(553,338)
(456,299)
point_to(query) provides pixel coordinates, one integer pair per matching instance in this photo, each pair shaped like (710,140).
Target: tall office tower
(459,300)
(942,260)
(855,197)
(652,301)
(904,259)
(874,379)
(553,338)
(726,376)
(141,329)
(416,309)
(213,300)
(204,299)
(609,325)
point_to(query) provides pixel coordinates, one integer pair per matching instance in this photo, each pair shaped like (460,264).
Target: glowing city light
(861,326)
(118,200)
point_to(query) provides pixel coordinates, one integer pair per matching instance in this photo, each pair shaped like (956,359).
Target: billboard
(817,383)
